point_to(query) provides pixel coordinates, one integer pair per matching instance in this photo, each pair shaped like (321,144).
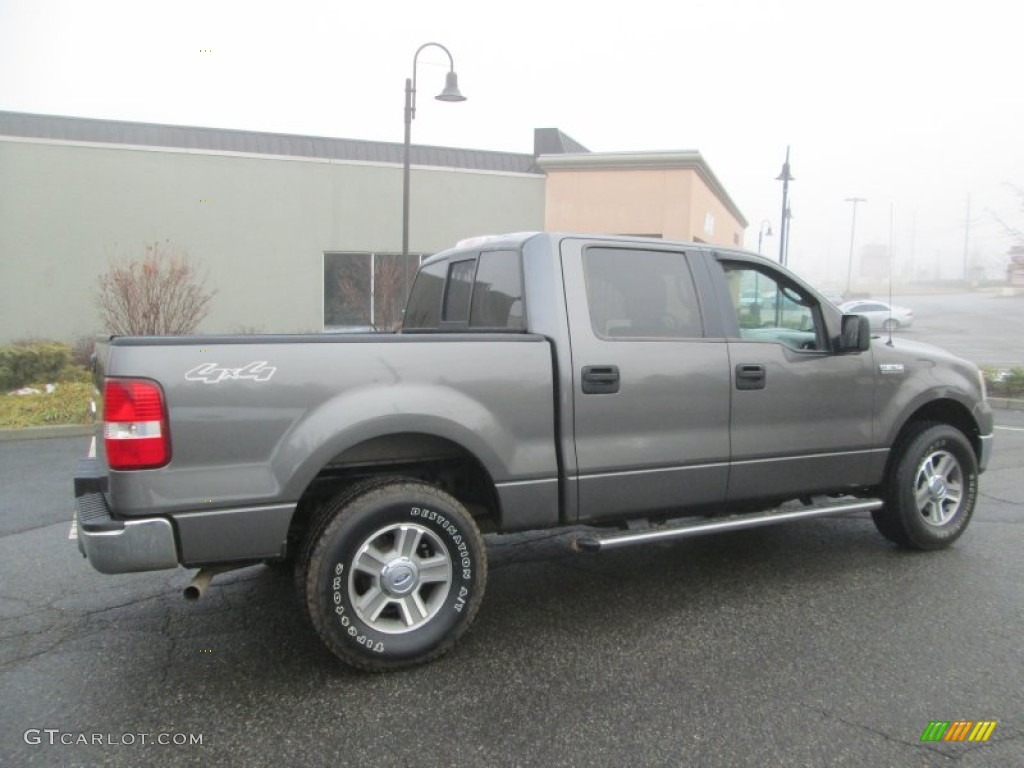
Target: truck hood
(904,350)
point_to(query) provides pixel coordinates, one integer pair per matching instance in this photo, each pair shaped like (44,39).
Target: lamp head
(451,89)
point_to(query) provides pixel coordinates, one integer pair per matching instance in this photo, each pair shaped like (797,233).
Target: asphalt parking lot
(813,644)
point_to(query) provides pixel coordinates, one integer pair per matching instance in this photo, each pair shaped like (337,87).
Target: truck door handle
(750,376)
(600,379)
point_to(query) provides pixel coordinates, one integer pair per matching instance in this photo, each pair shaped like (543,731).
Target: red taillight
(135,424)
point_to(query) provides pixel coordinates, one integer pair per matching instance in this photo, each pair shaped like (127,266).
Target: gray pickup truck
(635,390)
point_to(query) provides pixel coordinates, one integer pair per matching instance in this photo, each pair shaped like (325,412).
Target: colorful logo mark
(958,730)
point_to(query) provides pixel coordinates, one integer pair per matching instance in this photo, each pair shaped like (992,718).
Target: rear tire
(392,573)
(931,488)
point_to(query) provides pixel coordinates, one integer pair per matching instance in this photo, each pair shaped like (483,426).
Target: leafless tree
(388,292)
(159,294)
(1015,232)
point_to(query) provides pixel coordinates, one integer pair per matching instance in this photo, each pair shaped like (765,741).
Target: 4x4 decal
(211,373)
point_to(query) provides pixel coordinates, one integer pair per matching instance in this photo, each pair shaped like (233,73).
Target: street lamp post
(450,93)
(765,230)
(853,232)
(785,177)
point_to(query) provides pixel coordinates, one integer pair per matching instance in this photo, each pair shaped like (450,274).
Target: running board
(597,542)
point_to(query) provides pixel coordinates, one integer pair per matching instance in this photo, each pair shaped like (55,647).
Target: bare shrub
(160,294)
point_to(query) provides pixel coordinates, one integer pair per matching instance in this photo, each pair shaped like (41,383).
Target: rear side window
(483,291)
(498,292)
(460,287)
(424,307)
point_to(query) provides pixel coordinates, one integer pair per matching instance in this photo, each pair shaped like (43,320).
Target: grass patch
(69,404)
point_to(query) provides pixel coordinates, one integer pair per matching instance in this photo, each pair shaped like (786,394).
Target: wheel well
(948,412)
(428,458)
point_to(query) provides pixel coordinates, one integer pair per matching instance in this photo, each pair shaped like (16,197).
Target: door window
(642,294)
(770,309)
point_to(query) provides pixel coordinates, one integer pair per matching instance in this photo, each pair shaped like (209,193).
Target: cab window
(423,310)
(770,309)
(639,294)
(498,292)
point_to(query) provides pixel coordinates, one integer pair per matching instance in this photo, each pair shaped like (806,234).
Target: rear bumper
(118,546)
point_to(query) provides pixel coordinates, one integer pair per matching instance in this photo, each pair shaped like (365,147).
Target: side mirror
(856,334)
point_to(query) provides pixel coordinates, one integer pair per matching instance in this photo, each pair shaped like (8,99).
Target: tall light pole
(785,177)
(764,231)
(853,232)
(450,93)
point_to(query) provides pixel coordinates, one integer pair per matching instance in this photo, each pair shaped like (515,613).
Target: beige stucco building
(673,195)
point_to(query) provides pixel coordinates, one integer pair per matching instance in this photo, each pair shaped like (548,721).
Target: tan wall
(672,203)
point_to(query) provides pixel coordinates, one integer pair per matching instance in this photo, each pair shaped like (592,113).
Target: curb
(42,433)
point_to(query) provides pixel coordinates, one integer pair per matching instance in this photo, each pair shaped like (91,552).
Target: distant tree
(160,294)
(1015,232)
(388,292)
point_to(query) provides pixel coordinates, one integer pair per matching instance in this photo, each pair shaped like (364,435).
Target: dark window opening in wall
(640,234)
(366,291)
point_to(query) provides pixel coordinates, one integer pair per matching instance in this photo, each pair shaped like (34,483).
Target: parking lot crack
(172,640)
(828,715)
(993,497)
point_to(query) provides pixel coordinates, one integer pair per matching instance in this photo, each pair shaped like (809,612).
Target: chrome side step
(598,542)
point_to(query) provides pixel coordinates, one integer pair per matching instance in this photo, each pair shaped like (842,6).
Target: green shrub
(1014,381)
(68,404)
(1003,383)
(32,363)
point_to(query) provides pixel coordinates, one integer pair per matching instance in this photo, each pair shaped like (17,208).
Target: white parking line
(1012,429)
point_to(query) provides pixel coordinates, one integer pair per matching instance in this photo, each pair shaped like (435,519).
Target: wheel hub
(399,577)
(937,488)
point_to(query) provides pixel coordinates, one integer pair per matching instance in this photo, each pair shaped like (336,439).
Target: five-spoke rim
(939,487)
(400,578)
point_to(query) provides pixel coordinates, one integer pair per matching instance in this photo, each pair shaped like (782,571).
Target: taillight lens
(135,424)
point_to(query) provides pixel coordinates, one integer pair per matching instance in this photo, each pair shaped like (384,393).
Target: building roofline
(688,159)
(125,133)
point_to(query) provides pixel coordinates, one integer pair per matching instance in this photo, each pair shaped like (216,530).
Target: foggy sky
(914,106)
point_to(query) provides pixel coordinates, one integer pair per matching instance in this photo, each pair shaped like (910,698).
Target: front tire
(393,574)
(931,488)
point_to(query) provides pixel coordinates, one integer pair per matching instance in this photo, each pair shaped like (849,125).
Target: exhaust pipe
(197,587)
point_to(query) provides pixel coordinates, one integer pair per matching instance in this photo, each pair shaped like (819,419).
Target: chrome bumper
(118,546)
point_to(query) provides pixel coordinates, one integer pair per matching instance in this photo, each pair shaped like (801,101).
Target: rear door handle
(600,379)
(751,376)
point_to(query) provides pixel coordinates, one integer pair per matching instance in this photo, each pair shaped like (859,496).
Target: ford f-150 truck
(633,389)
